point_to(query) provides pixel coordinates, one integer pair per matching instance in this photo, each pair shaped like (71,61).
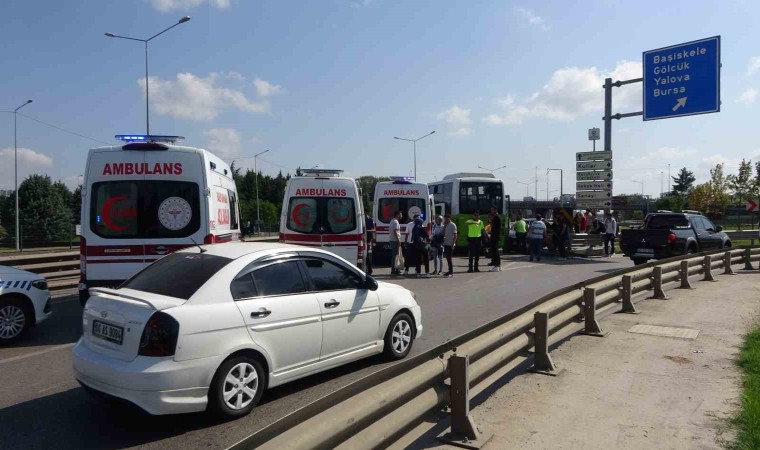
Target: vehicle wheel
(399,337)
(236,388)
(15,319)
(639,261)
(690,250)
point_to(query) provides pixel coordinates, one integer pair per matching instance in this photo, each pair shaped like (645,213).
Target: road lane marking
(41,352)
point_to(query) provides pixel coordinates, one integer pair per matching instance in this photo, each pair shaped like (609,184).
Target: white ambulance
(401,194)
(323,209)
(147,198)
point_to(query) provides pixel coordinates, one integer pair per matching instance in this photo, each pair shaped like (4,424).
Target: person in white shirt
(394,230)
(610,232)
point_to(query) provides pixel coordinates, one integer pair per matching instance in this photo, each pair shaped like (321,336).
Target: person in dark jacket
(494,241)
(420,243)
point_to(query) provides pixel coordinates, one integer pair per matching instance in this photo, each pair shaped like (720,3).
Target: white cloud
(458,120)
(533,19)
(754,65)
(748,97)
(195,98)
(674,154)
(172,5)
(266,89)
(570,93)
(29,162)
(223,142)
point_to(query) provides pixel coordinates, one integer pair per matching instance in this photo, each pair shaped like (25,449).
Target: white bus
(462,194)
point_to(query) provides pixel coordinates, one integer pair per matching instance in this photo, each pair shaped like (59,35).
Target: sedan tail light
(672,237)
(160,335)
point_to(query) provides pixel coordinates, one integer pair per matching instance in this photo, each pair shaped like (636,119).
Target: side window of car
(278,279)
(708,225)
(328,276)
(698,224)
(242,287)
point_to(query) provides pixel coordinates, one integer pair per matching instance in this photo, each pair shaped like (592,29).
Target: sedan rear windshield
(667,222)
(177,275)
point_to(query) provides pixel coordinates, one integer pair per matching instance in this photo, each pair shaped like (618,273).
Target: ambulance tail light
(82,259)
(360,254)
(209,239)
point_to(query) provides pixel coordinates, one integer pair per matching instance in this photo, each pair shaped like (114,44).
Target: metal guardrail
(379,408)
(593,240)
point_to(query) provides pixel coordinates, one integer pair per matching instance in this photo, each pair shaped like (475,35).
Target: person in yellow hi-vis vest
(475,229)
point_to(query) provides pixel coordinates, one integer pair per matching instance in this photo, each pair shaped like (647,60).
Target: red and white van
(400,194)
(147,198)
(323,209)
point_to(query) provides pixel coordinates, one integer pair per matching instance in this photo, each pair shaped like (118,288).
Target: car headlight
(40,284)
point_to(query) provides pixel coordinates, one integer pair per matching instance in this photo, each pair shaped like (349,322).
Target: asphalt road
(42,406)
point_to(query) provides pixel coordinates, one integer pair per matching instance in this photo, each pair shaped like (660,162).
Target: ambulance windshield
(145,209)
(321,215)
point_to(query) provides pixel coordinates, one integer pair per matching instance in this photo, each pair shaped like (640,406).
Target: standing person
(369,228)
(584,223)
(536,234)
(420,247)
(562,232)
(449,242)
(589,220)
(495,237)
(521,230)
(577,223)
(248,227)
(408,248)
(610,231)
(475,229)
(394,239)
(436,241)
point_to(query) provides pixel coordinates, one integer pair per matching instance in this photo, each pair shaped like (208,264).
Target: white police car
(24,302)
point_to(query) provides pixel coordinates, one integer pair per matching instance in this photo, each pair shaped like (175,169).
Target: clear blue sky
(331,82)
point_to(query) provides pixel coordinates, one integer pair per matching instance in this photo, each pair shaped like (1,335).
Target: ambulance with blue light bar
(323,209)
(400,194)
(147,198)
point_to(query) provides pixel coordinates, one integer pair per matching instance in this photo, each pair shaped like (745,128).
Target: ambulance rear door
(113,248)
(341,225)
(173,208)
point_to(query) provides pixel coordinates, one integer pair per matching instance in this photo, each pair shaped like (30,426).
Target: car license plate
(108,332)
(645,250)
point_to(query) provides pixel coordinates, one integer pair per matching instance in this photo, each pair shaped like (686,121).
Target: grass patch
(748,420)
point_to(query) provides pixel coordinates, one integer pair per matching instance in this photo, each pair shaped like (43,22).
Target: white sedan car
(211,328)
(24,302)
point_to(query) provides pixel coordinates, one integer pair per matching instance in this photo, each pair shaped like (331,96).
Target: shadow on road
(63,327)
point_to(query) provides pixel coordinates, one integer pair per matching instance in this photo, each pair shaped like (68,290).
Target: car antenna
(203,250)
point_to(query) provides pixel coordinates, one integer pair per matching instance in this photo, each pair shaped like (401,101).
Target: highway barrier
(378,409)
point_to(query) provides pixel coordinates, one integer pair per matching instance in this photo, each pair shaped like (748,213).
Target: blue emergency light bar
(148,138)
(402,180)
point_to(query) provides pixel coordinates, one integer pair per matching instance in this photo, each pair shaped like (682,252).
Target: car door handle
(332,304)
(327,244)
(262,312)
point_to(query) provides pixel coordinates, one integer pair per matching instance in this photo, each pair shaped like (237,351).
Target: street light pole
(256,182)
(145,41)
(15,170)
(414,143)
(561,182)
(527,187)
(492,170)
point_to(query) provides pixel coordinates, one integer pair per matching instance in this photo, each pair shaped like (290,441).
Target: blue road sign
(682,80)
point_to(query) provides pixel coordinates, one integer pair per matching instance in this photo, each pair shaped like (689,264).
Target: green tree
(75,204)
(742,183)
(709,198)
(683,182)
(672,202)
(367,185)
(44,209)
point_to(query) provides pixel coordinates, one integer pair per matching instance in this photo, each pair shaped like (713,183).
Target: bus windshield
(477,196)
(321,215)
(408,207)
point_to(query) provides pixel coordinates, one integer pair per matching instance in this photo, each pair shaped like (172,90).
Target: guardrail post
(542,360)
(684,272)
(657,283)
(592,327)
(747,259)
(707,266)
(727,269)
(627,292)
(464,433)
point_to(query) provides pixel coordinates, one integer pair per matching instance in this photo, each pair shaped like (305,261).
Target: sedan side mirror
(718,229)
(370,283)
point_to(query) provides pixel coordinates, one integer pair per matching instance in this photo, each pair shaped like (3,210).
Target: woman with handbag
(437,245)
(420,244)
